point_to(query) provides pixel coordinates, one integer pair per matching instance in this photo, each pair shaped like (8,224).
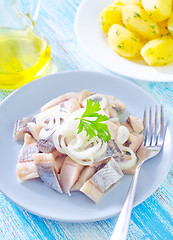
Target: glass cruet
(24,52)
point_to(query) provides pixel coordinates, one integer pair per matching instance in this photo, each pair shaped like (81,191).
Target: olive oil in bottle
(23,57)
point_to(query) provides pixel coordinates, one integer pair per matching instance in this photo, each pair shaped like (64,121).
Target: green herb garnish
(94,127)
(118,33)
(137,15)
(120,46)
(134,39)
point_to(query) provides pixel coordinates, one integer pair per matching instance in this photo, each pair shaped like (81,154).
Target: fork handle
(121,229)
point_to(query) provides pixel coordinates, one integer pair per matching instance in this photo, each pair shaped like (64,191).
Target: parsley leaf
(92,122)
(91,108)
(137,15)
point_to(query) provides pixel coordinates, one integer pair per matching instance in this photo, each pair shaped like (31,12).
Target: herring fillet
(60,99)
(83,95)
(20,128)
(135,141)
(34,130)
(71,105)
(26,171)
(116,103)
(87,173)
(47,146)
(112,151)
(29,147)
(26,168)
(69,174)
(102,181)
(136,123)
(39,157)
(113,129)
(45,167)
(59,161)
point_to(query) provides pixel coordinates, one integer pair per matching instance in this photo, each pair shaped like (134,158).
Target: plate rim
(92,219)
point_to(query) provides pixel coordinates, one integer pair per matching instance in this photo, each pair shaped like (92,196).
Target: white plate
(42,200)
(95,43)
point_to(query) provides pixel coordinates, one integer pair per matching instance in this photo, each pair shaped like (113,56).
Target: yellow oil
(24,56)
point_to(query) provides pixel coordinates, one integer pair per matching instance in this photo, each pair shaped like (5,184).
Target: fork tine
(149,130)
(144,123)
(154,134)
(161,122)
(161,130)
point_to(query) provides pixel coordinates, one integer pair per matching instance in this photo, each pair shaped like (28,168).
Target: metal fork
(152,144)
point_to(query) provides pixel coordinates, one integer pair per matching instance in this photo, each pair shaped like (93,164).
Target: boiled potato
(124,42)
(158,52)
(117,2)
(131,2)
(170,24)
(137,20)
(109,16)
(163,28)
(158,10)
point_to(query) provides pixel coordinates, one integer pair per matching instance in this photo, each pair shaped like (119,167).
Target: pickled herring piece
(45,164)
(102,181)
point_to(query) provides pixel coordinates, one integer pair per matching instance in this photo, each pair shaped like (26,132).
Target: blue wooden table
(152,219)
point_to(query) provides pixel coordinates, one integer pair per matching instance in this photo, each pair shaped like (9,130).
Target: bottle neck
(14,14)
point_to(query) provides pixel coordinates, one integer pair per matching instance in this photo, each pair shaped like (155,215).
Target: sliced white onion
(49,120)
(56,142)
(77,114)
(72,154)
(78,147)
(79,141)
(99,98)
(55,112)
(45,133)
(65,135)
(85,153)
(122,134)
(101,151)
(124,165)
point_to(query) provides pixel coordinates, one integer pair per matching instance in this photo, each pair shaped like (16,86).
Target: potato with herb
(124,42)
(109,16)
(158,52)
(170,24)
(131,2)
(163,28)
(137,20)
(158,10)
